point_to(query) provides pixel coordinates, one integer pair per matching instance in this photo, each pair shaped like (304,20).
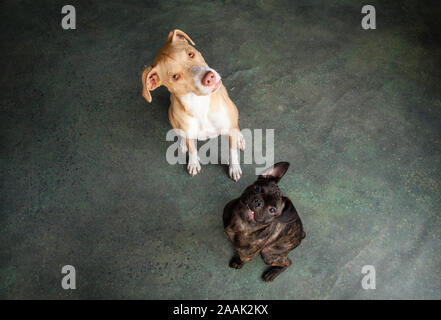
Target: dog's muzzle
(207,80)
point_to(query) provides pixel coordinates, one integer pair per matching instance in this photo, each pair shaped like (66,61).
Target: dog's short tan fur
(197,110)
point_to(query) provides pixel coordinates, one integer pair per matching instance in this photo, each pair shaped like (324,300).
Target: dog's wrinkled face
(262,202)
(181,68)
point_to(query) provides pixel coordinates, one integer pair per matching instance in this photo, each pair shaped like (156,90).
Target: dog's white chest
(203,123)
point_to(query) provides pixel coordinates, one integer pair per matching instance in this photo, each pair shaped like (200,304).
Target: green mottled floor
(84,179)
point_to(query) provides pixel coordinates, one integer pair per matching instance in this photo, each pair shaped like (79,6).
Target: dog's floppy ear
(150,81)
(275,173)
(178,35)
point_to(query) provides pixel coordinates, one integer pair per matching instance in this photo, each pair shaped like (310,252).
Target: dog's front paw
(193,168)
(235,172)
(236,263)
(240,141)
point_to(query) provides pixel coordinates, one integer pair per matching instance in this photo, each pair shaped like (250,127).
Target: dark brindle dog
(264,221)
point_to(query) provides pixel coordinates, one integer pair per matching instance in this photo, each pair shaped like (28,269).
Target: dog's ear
(178,35)
(275,173)
(150,81)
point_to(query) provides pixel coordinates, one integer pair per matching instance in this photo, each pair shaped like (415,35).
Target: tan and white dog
(200,107)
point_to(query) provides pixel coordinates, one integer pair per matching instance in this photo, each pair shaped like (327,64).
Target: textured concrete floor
(84,179)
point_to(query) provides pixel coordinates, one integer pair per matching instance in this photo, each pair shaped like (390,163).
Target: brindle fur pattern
(263,220)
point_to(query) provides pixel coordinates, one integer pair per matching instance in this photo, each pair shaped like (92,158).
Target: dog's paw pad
(193,168)
(235,172)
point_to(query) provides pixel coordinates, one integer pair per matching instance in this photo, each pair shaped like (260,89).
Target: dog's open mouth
(216,86)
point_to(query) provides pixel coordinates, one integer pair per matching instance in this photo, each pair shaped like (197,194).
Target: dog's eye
(176,76)
(272,210)
(191,54)
(256,189)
